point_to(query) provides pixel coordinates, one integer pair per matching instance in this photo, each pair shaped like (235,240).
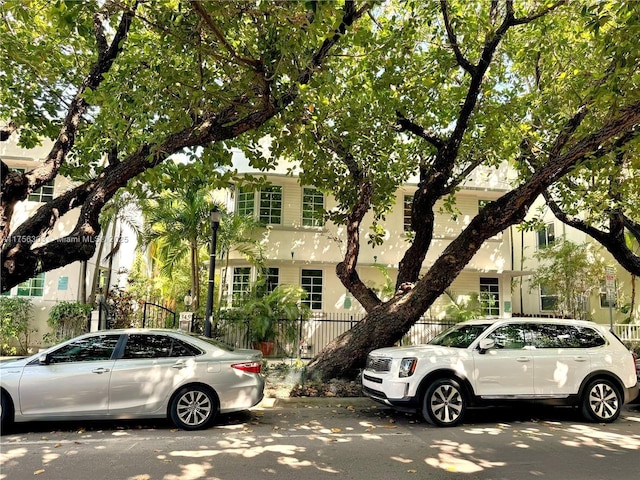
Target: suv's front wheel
(444,403)
(601,401)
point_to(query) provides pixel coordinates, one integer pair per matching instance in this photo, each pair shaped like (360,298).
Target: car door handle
(179,365)
(580,359)
(100,370)
(523,359)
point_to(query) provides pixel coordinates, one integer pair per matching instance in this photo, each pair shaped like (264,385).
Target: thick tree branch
(453,40)
(612,240)
(435,181)
(13,190)
(20,261)
(403,124)
(404,309)
(346,270)
(570,128)
(6,131)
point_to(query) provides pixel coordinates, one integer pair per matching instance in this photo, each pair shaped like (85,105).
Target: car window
(157,346)
(564,336)
(98,347)
(511,336)
(460,336)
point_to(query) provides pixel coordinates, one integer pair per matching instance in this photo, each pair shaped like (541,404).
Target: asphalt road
(340,438)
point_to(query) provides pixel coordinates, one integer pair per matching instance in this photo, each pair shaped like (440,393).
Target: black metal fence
(315,333)
(306,340)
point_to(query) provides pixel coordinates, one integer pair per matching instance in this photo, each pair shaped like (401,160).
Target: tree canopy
(452,88)
(439,90)
(122,85)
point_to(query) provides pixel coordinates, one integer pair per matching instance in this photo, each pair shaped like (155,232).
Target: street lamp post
(216,215)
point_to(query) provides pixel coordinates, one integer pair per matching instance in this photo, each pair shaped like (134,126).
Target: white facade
(501,270)
(528,300)
(307,255)
(62,284)
(297,251)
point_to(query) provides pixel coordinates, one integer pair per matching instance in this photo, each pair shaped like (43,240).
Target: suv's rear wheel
(602,401)
(444,403)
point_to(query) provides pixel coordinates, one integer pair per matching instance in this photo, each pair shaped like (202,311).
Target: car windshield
(459,336)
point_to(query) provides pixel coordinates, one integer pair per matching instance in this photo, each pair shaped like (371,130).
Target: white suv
(485,362)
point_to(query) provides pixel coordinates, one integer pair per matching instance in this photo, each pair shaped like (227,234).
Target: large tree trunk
(387,323)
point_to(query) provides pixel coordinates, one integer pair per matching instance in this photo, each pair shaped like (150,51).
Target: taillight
(250,367)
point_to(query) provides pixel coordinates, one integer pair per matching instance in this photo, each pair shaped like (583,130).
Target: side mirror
(486,344)
(44,359)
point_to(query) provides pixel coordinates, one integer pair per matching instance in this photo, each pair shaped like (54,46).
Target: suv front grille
(378,364)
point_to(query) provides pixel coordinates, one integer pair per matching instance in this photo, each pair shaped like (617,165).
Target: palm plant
(178,223)
(123,210)
(273,316)
(237,234)
(463,307)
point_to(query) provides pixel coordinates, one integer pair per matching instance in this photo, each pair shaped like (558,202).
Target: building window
(489,296)
(546,236)
(312,284)
(34,287)
(246,202)
(240,284)
(408,202)
(548,299)
(43,194)
(312,207)
(272,278)
(604,301)
(271,205)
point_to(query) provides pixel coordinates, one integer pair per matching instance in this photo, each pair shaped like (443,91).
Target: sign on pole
(610,284)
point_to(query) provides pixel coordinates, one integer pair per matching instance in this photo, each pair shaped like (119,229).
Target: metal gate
(157,316)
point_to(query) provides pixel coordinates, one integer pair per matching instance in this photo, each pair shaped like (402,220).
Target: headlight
(407,367)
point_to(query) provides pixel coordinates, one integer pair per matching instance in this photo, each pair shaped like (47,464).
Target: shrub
(66,320)
(15,329)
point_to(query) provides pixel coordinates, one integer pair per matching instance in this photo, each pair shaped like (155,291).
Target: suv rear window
(564,336)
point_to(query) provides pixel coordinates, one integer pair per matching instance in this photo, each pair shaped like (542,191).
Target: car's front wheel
(444,403)
(6,412)
(193,408)
(602,401)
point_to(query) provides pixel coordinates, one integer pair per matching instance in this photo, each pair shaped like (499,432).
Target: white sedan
(132,373)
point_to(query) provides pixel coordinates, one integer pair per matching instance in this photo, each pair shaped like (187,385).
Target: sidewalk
(315,402)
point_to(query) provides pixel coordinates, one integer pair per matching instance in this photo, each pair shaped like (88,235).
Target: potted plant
(273,317)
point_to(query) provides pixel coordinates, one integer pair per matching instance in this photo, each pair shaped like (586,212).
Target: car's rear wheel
(6,411)
(193,408)
(444,403)
(602,401)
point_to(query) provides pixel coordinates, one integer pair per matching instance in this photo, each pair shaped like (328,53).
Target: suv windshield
(460,336)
